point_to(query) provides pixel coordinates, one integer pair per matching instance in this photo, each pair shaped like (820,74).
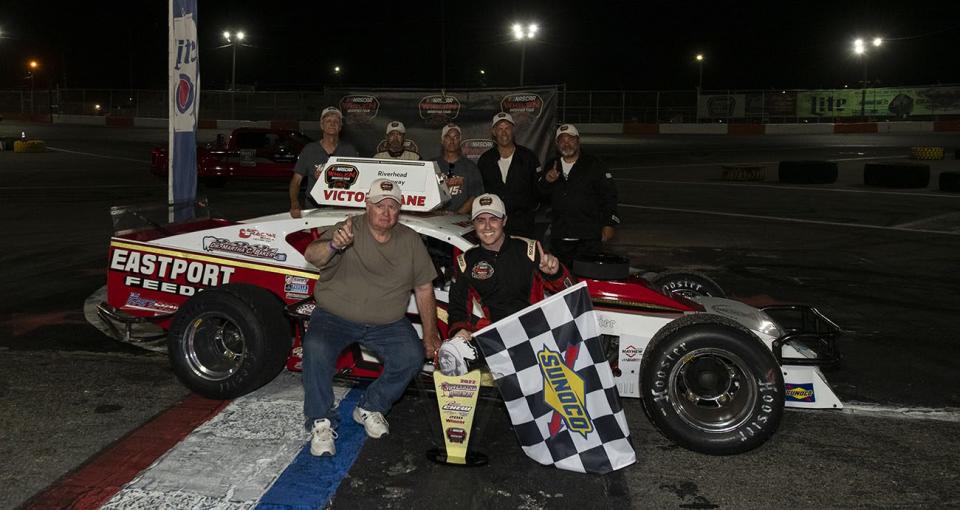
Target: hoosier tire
(678,283)
(711,386)
(896,175)
(228,341)
(807,172)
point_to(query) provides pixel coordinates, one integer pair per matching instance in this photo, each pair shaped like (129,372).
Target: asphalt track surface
(882,263)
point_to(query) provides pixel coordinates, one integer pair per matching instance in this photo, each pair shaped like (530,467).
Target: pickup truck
(249,153)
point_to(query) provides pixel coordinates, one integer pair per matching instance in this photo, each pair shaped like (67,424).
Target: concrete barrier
(855,127)
(946,125)
(693,129)
(637,128)
(905,127)
(798,129)
(149,122)
(87,120)
(609,128)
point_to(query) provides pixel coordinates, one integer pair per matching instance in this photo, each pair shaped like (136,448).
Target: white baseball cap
(502,116)
(447,128)
(396,126)
(488,203)
(381,189)
(331,110)
(567,129)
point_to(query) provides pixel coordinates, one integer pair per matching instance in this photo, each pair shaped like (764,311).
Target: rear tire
(686,284)
(228,341)
(711,386)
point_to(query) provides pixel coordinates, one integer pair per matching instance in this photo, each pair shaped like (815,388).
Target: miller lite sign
(184,92)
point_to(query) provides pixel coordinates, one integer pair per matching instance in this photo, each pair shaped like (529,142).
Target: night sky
(638,45)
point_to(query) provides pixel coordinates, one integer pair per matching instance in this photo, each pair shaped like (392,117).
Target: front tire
(228,341)
(711,386)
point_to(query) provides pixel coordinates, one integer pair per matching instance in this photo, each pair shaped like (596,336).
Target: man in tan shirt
(368,266)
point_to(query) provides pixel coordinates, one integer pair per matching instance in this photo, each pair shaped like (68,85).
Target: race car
(233,299)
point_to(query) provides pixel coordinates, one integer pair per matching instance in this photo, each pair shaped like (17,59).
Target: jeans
(396,345)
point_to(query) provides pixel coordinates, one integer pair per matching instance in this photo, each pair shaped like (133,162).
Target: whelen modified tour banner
(424,112)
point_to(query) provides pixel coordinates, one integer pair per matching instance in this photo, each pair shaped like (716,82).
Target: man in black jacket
(510,171)
(583,197)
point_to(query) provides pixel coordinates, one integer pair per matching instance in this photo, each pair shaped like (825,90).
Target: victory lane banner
(553,375)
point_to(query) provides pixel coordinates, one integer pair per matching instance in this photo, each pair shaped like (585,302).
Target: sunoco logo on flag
(557,385)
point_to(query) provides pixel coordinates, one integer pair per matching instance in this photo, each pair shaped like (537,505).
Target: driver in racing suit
(504,275)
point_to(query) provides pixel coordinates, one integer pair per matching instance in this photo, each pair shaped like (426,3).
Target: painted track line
(720,163)
(791,188)
(790,220)
(949,414)
(103,156)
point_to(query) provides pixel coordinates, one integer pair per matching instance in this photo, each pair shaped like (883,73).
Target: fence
(588,106)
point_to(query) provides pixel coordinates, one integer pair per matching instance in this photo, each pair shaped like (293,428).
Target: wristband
(334,247)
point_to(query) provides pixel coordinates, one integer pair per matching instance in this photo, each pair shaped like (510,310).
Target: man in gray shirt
(368,266)
(463,176)
(315,155)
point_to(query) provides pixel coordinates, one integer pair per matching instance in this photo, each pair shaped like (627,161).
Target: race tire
(950,181)
(686,284)
(601,266)
(807,172)
(228,341)
(896,175)
(711,386)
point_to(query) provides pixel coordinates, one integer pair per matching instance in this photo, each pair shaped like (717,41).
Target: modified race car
(233,298)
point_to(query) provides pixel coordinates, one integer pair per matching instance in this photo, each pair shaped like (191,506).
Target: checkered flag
(557,384)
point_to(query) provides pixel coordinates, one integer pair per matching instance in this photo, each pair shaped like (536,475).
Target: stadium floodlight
(523,33)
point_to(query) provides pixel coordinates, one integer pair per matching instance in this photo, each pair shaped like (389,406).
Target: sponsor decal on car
(295,284)
(160,272)
(135,301)
(259,251)
(802,392)
(439,109)
(631,351)
(563,392)
(258,235)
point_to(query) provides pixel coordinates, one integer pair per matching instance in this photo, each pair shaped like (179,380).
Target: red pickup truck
(249,153)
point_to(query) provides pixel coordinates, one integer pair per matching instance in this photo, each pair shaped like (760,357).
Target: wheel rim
(213,346)
(712,390)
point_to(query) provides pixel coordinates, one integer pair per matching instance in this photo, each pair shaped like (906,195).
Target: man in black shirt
(583,197)
(503,275)
(510,171)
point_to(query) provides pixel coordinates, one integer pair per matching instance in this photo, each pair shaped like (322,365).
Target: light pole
(233,39)
(32,67)
(338,72)
(699,59)
(860,49)
(523,33)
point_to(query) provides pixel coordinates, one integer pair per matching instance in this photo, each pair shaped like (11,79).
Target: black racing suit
(503,283)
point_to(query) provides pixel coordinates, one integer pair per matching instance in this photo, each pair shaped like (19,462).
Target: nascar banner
(558,387)
(184,90)
(424,112)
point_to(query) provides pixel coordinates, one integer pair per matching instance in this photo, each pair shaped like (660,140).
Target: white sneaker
(321,439)
(373,422)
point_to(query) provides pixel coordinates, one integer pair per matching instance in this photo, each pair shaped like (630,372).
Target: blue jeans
(397,345)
